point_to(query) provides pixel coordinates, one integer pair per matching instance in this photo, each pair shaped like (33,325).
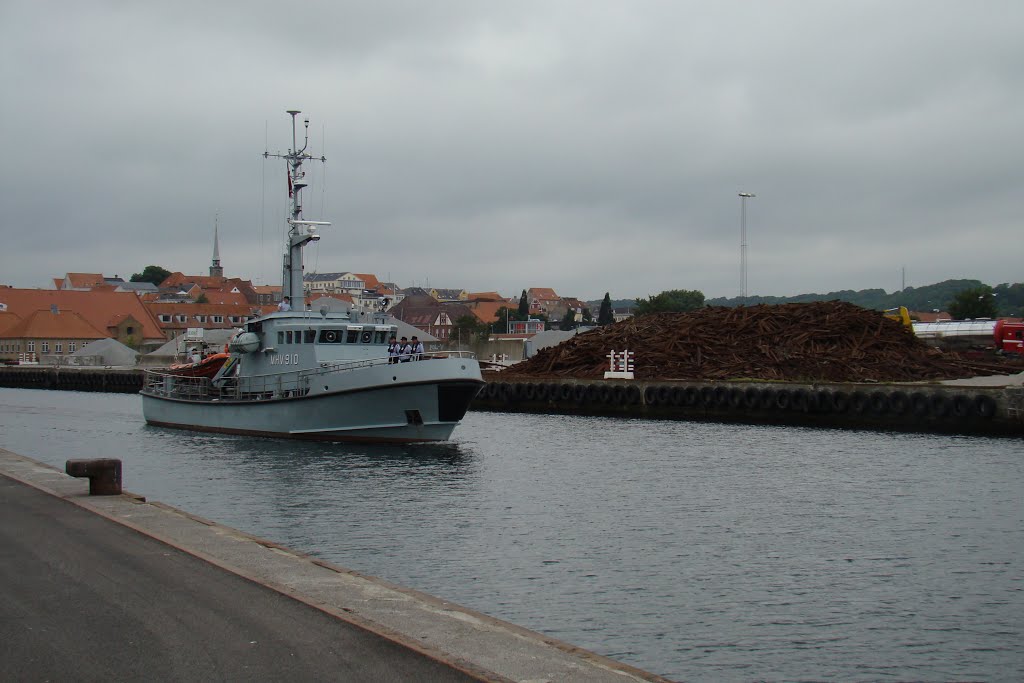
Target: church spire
(215,269)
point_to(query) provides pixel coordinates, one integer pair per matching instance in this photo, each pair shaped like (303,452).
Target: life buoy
(879,403)
(899,402)
(985,406)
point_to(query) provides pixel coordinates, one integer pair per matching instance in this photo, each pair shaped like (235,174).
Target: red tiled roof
(98,308)
(84,279)
(8,320)
(49,325)
(370,280)
(487,311)
(485,296)
(542,294)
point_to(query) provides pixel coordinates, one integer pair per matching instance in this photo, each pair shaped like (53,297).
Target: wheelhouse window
(332,336)
(309,336)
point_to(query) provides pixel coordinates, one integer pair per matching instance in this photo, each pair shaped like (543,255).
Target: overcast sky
(588,146)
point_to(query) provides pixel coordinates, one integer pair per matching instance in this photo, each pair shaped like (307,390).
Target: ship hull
(389,404)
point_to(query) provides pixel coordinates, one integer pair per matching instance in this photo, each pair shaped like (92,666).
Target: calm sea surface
(697,551)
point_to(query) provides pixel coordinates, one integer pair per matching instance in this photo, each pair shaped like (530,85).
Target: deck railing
(289,384)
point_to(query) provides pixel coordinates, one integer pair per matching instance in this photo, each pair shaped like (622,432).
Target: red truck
(1009,337)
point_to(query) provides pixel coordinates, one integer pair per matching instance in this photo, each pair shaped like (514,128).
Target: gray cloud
(585,146)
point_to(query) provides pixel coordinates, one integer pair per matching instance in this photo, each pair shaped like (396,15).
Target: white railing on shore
(290,384)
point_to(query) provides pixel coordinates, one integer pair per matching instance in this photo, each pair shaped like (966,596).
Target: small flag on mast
(289,182)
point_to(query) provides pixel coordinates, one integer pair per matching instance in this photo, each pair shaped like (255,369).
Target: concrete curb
(479,645)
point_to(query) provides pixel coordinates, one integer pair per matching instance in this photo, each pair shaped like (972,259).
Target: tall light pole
(744,196)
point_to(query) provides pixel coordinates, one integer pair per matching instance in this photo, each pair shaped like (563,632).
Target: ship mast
(300,232)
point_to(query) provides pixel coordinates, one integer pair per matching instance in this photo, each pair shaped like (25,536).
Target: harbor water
(699,551)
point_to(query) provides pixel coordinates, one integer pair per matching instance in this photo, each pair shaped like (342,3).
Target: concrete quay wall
(479,646)
(111,380)
(906,407)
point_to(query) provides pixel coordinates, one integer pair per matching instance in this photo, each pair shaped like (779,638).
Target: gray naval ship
(318,375)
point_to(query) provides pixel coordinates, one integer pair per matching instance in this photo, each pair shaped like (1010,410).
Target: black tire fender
(579,393)
(859,402)
(651,396)
(735,398)
(690,396)
(840,402)
(985,406)
(938,405)
(632,395)
(919,404)
(962,405)
(899,402)
(707,396)
(799,401)
(751,398)
(783,399)
(878,402)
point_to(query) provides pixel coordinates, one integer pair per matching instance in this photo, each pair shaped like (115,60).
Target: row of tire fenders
(71,380)
(877,403)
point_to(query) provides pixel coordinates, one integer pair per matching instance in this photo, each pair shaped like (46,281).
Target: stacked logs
(828,341)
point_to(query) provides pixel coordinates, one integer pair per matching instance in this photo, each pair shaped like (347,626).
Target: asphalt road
(83,598)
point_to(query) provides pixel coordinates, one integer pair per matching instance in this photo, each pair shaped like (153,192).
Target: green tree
(604,315)
(569,320)
(977,302)
(154,274)
(672,300)
(202,299)
(465,330)
(524,307)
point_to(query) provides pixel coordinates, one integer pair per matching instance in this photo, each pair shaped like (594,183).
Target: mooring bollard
(104,475)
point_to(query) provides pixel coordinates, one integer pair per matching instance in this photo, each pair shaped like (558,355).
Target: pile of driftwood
(814,342)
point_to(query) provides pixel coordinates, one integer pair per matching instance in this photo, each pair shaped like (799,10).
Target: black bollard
(104,475)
